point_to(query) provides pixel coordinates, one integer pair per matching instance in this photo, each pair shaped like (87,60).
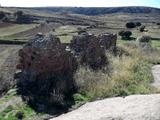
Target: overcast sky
(80,3)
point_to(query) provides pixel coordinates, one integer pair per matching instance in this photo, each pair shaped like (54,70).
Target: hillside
(100,11)
(86,10)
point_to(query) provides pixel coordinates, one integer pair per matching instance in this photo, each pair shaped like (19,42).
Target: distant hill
(100,11)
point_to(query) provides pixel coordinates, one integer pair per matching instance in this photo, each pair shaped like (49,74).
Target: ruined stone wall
(47,72)
(90,49)
(48,66)
(108,40)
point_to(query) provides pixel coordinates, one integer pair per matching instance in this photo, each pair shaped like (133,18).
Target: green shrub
(130,25)
(138,24)
(158,23)
(142,28)
(2,15)
(21,18)
(125,34)
(144,39)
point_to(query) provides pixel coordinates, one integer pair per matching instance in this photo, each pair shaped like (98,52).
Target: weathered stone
(47,72)
(135,107)
(108,40)
(88,50)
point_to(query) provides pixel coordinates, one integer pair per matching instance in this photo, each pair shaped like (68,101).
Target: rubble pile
(108,40)
(48,66)
(90,49)
(47,72)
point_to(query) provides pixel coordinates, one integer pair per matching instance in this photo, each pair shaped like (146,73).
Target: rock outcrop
(135,107)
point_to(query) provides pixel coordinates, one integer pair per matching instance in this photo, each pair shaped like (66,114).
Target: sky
(80,3)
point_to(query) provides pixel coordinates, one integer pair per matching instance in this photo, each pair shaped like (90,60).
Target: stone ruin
(47,73)
(91,50)
(48,66)
(108,40)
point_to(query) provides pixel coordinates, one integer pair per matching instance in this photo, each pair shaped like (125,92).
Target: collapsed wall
(91,50)
(47,72)
(108,40)
(48,66)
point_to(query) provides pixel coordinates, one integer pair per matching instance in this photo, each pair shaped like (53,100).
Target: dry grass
(128,75)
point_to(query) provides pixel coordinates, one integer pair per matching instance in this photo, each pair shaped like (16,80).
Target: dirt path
(156,75)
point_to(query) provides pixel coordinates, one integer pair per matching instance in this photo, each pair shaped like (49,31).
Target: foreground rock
(135,107)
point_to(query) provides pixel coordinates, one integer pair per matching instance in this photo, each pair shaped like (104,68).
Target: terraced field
(8,61)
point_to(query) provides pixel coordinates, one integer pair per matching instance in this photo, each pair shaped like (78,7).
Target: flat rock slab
(135,107)
(156,75)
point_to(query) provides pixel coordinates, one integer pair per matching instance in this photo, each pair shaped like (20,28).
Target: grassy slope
(155,43)
(112,22)
(130,75)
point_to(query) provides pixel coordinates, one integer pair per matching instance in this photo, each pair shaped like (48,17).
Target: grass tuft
(129,75)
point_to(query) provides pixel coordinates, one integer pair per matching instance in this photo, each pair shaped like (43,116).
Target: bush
(142,28)
(138,24)
(143,39)
(144,42)
(81,31)
(125,34)
(130,25)
(6,19)
(2,15)
(158,23)
(19,115)
(128,75)
(53,30)
(121,33)
(21,18)
(18,13)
